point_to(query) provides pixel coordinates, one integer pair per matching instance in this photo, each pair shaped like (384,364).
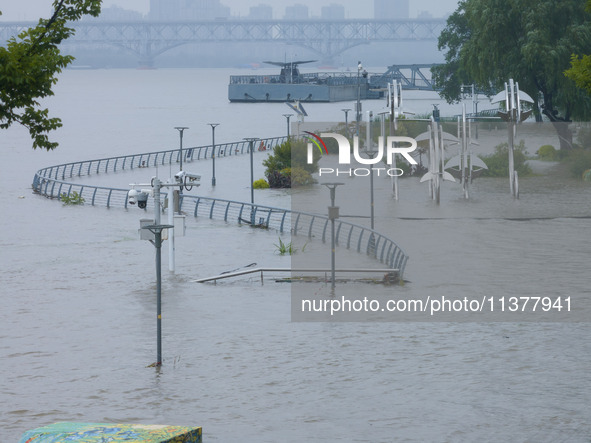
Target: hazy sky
(33,9)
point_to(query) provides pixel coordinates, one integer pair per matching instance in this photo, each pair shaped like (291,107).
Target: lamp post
(251,141)
(156,229)
(333,213)
(213,125)
(346,111)
(357,110)
(383,133)
(287,116)
(370,153)
(181,129)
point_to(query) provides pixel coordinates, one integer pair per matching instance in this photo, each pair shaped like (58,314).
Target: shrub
(498,163)
(299,176)
(288,155)
(287,248)
(73,199)
(261,183)
(579,161)
(277,179)
(547,152)
(584,137)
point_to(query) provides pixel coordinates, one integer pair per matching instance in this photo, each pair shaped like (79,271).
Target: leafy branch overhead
(580,71)
(486,42)
(29,64)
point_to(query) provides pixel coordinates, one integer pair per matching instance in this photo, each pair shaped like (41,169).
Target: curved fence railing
(53,182)
(314,226)
(152,159)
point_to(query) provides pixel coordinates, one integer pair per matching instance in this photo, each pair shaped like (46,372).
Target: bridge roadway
(149,39)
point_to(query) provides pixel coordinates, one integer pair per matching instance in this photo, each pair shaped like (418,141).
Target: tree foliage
(29,64)
(486,42)
(498,163)
(287,166)
(580,71)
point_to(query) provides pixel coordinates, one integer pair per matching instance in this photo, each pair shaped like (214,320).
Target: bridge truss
(328,39)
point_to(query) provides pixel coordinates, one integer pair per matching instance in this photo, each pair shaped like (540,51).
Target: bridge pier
(146,62)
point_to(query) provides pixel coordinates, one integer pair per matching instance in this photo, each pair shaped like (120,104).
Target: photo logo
(313,140)
(394,145)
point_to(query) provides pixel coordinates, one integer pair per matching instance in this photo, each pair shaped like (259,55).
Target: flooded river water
(77,325)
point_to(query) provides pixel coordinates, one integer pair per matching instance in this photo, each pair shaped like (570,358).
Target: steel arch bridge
(148,39)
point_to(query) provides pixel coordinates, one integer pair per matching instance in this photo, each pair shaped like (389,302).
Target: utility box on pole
(146,234)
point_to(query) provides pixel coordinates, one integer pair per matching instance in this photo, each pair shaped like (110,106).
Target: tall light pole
(346,111)
(181,129)
(370,153)
(156,229)
(287,116)
(251,141)
(357,110)
(213,125)
(383,133)
(333,213)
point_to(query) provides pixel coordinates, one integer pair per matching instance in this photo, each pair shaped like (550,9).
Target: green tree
(29,64)
(288,165)
(580,71)
(489,41)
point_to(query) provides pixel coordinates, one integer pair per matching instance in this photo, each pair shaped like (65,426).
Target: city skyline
(34,9)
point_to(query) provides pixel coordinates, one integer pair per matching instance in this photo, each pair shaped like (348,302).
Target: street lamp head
(213,125)
(181,128)
(332,185)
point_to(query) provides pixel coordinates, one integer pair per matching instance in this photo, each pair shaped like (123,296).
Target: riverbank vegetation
(498,162)
(287,166)
(530,41)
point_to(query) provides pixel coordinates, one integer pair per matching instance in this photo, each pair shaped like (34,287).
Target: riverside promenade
(69,179)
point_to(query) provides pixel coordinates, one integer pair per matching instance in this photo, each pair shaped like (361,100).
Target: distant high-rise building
(260,12)
(333,12)
(115,13)
(390,9)
(180,10)
(424,15)
(296,12)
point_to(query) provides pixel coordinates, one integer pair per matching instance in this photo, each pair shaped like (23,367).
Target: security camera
(142,200)
(187,179)
(132,197)
(179,176)
(139,198)
(192,177)
(183,175)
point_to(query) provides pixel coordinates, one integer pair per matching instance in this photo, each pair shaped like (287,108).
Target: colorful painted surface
(105,432)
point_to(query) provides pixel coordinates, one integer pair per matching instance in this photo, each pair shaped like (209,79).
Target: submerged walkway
(55,181)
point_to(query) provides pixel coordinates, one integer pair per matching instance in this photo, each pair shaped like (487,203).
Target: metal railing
(313,226)
(52,182)
(150,159)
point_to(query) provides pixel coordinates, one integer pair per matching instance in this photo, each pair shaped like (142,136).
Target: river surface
(77,328)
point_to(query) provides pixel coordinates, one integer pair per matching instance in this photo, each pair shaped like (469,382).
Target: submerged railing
(313,226)
(151,159)
(53,182)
